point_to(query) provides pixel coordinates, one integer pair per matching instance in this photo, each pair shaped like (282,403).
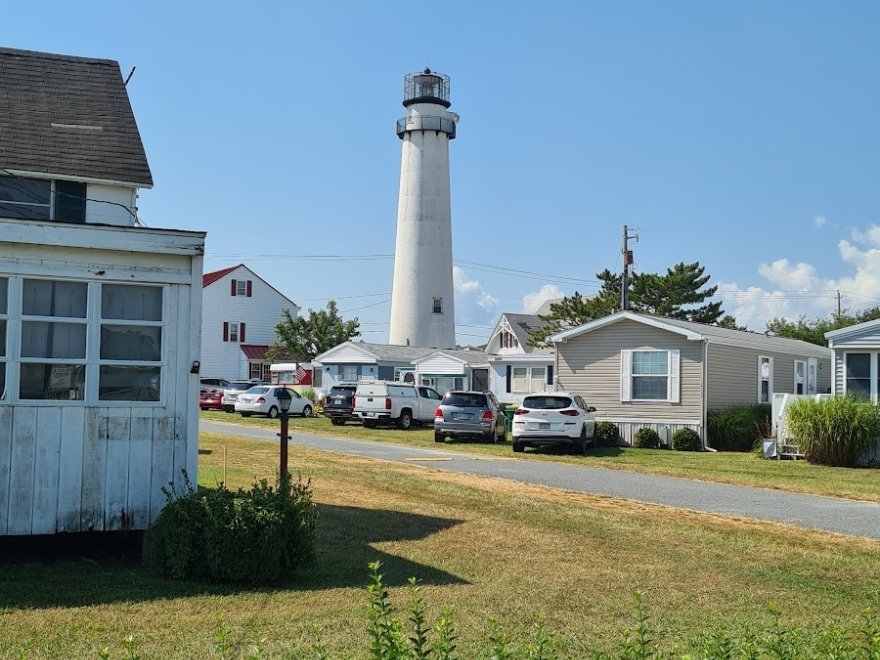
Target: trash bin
(508,413)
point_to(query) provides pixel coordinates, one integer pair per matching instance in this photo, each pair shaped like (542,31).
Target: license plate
(338,400)
(370,414)
(543,426)
(462,416)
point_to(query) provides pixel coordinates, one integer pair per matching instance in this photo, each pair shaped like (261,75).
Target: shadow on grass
(58,573)
(559,450)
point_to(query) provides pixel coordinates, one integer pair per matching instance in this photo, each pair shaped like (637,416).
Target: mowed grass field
(744,469)
(486,547)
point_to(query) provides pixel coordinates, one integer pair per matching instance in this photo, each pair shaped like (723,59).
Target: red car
(210,399)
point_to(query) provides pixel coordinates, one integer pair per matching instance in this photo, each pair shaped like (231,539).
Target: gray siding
(733,374)
(589,364)
(869,339)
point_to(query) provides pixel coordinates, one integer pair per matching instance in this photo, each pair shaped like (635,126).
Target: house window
(526,380)
(538,378)
(241,288)
(53,339)
(765,379)
(858,375)
(800,377)
(350,374)
(520,381)
(444,383)
(260,371)
(233,332)
(508,340)
(438,306)
(41,199)
(650,375)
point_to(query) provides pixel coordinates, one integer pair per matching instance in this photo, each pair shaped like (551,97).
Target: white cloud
(470,295)
(800,290)
(820,221)
(532,301)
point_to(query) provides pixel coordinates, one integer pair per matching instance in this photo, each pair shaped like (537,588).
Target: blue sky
(743,135)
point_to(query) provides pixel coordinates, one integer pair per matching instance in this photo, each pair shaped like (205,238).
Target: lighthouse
(422,305)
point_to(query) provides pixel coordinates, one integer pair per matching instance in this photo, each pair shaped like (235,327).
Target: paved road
(810,511)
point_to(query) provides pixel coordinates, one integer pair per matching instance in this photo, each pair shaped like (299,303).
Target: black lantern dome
(426,87)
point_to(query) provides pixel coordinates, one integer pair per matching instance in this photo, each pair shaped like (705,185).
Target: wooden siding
(442,365)
(733,374)
(589,364)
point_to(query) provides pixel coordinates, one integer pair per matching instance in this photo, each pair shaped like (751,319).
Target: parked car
(206,384)
(470,414)
(339,406)
(210,399)
(554,418)
(381,401)
(233,389)
(263,400)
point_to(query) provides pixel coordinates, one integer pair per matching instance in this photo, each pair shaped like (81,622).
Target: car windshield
(258,390)
(464,400)
(547,402)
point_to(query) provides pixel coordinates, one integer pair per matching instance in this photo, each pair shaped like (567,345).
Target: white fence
(780,403)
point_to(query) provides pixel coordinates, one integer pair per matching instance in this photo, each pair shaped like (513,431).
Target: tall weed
(734,429)
(840,431)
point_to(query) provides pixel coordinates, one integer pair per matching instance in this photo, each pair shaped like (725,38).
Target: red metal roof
(210,278)
(254,351)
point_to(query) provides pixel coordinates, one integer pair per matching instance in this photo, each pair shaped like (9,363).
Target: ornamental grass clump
(735,429)
(839,432)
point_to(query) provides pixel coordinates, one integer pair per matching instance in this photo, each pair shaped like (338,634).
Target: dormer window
(508,340)
(438,305)
(41,199)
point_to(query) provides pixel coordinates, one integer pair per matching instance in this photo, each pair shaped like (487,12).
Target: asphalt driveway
(809,511)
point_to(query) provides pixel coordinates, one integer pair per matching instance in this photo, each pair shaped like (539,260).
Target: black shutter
(550,375)
(509,375)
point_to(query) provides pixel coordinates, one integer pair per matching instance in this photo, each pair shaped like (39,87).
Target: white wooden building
(99,317)
(239,313)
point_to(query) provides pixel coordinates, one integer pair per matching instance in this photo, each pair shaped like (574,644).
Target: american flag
(301,373)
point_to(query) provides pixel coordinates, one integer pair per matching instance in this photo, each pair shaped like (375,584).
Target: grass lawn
(744,469)
(486,547)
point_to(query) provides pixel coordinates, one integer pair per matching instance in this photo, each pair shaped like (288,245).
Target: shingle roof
(69,116)
(520,324)
(213,276)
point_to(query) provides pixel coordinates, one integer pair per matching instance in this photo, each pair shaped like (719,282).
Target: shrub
(647,438)
(735,429)
(255,536)
(840,431)
(687,440)
(311,395)
(607,434)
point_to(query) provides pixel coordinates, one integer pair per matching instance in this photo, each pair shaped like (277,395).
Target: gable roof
(520,324)
(857,329)
(213,276)
(68,116)
(379,352)
(210,278)
(470,358)
(701,332)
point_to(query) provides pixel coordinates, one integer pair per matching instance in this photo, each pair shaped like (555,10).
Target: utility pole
(627,267)
(839,310)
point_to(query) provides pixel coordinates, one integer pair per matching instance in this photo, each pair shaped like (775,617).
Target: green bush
(839,432)
(735,429)
(607,434)
(647,438)
(255,536)
(687,440)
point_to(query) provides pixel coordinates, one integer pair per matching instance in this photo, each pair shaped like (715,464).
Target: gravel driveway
(810,511)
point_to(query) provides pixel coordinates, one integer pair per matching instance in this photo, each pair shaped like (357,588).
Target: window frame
(53,206)
(871,378)
(765,359)
(437,305)
(673,376)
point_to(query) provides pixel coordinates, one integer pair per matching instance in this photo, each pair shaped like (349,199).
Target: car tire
(404,421)
(438,437)
(273,413)
(307,411)
(581,445)
(518,447)
(336,421)
(369,423)
(502,436)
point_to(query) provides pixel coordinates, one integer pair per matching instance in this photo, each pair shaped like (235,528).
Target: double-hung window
(765,379)
(650,375)
(131,343)
(858,375)
(53,339)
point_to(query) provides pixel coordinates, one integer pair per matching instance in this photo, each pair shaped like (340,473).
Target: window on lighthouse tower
(438,305)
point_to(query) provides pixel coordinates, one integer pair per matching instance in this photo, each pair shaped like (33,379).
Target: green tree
(813,330)
(679,293)
(301,338)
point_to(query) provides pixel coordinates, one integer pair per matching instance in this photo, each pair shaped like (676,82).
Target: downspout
(704,395)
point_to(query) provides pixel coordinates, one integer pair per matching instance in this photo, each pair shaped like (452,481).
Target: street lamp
(284,398)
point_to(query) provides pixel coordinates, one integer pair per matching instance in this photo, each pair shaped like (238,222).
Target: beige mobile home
(639,370)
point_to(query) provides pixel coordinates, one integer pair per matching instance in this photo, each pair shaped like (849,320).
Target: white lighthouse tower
(422,305)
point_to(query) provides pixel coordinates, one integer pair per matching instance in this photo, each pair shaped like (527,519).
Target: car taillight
(486,415)
(520,411)
(570,413)
(387,404)
(261,400)
(354,402)
(438,413)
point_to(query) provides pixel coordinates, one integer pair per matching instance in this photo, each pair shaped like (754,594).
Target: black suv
(340,403)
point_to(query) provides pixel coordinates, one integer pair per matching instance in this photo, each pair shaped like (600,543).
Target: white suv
(554,418)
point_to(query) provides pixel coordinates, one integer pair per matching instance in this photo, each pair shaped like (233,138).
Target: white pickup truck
(382,401)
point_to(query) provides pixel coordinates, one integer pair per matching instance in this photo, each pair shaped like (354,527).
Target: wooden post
(282,470)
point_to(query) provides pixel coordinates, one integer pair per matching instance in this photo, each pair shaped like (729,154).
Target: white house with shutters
(239,313)
(99,315)
(518,368)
